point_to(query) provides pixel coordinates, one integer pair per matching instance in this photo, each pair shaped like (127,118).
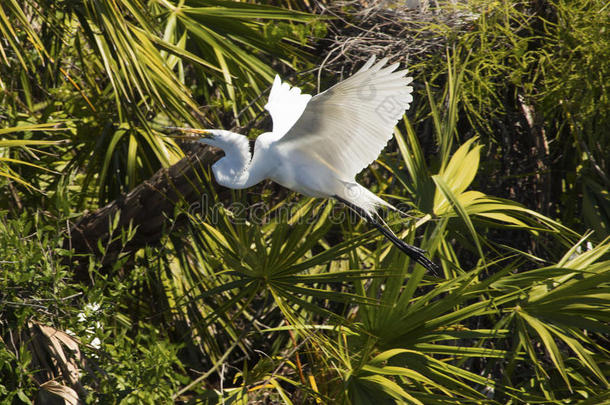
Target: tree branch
(147,207)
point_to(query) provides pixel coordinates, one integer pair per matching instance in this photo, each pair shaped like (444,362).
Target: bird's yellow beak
(192,134)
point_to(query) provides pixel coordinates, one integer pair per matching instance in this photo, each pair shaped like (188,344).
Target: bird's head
(234,145)
(192,134)
(219,138)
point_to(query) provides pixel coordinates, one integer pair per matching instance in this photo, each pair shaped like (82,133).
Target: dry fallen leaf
(69,396)
(57,357)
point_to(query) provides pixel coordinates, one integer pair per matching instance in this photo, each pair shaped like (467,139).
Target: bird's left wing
(285,105)
(348,125)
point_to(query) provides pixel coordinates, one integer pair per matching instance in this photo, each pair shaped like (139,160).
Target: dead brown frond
(56,357)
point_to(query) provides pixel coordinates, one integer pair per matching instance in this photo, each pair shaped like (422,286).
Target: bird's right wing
(348,125)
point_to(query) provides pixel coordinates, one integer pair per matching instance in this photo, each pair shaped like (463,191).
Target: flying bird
(319,144)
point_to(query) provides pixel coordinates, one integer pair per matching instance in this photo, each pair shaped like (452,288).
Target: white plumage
(285,105)
(319,144)
(349,124)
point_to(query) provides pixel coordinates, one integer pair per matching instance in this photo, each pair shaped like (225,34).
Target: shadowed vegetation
(191,293)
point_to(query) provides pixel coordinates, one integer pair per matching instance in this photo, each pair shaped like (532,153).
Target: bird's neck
(235,170)
(236,174)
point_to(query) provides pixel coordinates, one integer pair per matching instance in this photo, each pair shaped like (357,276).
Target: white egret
(319,144)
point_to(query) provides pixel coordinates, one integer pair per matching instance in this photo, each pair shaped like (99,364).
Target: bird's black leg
(415,253)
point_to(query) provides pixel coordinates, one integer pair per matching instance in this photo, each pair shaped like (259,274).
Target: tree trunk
(147,207)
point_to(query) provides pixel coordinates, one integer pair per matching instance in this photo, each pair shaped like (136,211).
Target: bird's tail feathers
(361,197)
(369,201)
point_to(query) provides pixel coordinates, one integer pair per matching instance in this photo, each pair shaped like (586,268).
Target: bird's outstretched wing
(285,105)
(348,125)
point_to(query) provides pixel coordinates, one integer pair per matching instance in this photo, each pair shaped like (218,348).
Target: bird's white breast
(302,173)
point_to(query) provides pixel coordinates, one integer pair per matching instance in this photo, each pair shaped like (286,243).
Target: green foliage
(265,297)
(535,75)
(112,72)
(32,272)
(132,367)
(34,285)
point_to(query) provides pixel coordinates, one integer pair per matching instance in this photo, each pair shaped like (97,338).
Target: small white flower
(89,310)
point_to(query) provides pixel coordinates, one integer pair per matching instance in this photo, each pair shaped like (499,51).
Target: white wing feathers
(285,105)
(348,125)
